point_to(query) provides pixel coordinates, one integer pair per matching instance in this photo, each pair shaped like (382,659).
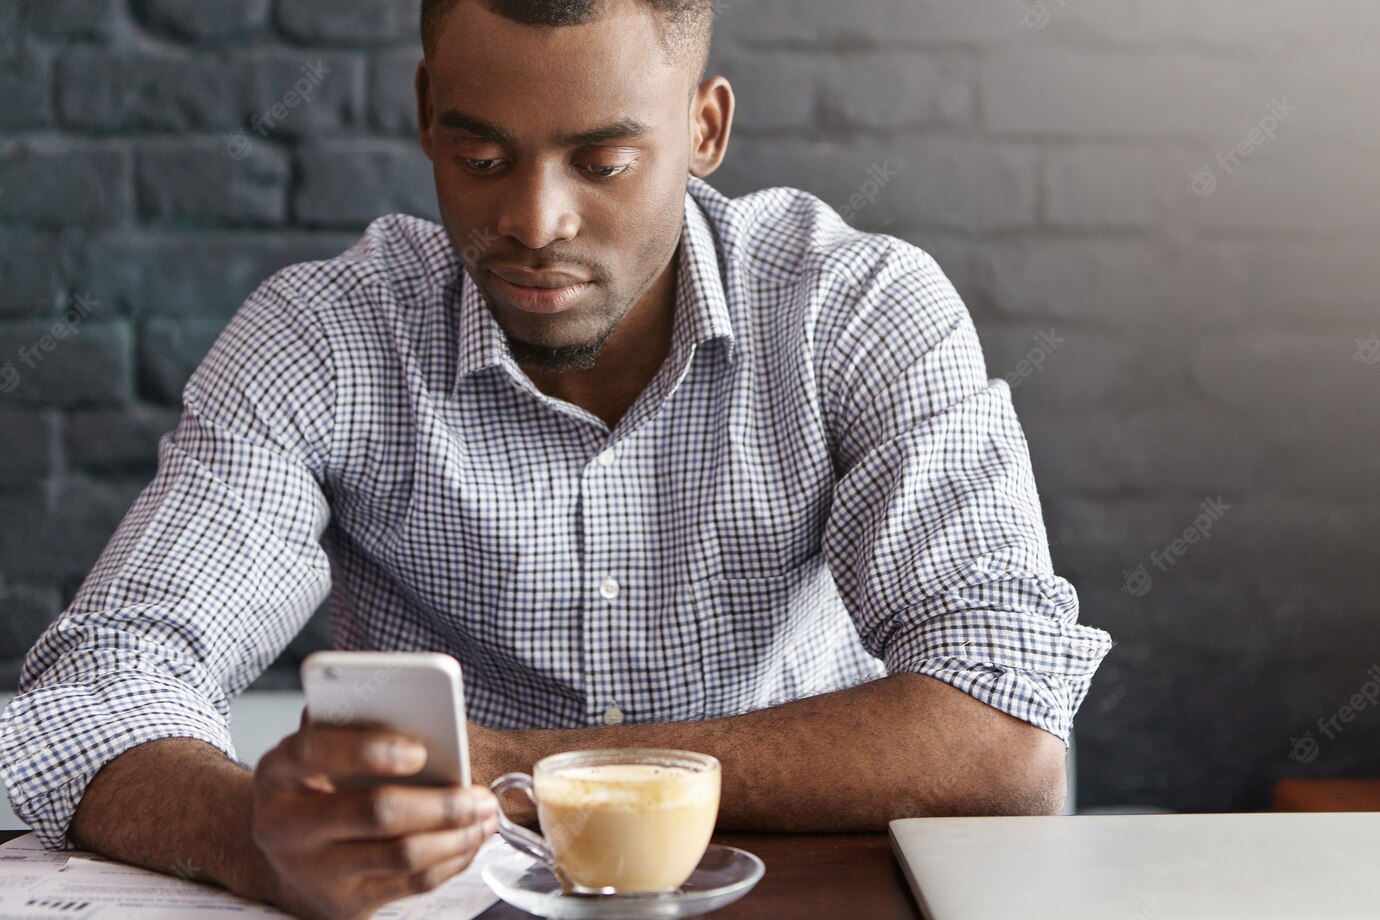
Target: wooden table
(1339,794)
(817,877)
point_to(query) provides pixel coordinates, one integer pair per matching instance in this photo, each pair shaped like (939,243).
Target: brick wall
(1164,215)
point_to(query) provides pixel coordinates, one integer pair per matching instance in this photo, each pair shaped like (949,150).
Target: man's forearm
(179,806)
(852,760)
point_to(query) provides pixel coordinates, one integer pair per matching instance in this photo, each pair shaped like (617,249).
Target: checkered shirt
(820,487)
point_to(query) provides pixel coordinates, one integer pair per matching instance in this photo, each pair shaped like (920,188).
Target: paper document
(40,884)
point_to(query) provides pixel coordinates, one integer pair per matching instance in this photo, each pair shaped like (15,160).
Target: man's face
(607,211)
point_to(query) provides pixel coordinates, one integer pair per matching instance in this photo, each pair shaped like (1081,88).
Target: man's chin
(519,333)
(554,357)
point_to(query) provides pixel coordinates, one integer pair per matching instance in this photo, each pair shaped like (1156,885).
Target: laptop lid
(1143,867)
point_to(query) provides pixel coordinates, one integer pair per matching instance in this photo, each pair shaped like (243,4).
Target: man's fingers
(412,853)
(385,888)
(345,752)
(392,811)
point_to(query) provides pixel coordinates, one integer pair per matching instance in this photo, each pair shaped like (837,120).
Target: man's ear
(423,83)
(711,121)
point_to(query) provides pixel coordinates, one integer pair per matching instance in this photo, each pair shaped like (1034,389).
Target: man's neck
(630,358)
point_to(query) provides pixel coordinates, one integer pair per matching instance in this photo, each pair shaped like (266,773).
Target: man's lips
(526,277)
(532,299)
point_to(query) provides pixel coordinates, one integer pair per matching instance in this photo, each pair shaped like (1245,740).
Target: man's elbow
(1034,780)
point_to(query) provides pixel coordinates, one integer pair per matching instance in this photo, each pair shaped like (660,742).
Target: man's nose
(539,208)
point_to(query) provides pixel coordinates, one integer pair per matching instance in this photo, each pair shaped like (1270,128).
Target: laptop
(1143,867)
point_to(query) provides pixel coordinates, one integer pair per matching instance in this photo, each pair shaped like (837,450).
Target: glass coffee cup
(618,821)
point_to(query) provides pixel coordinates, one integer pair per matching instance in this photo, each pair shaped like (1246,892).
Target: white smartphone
(417,693)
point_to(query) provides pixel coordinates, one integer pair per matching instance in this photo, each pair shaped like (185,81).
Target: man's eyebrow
(622,128)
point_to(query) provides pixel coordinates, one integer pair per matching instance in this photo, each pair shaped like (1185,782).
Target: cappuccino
(635,826)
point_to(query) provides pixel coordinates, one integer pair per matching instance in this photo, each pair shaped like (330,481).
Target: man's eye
(477,165)
(598,171)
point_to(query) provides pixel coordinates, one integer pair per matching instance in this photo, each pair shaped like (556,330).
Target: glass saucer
(723,876)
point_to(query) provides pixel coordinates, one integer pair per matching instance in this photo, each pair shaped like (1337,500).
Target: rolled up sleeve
(936,538)
(211,572)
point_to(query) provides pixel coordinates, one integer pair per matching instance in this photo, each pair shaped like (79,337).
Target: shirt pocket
(749,627)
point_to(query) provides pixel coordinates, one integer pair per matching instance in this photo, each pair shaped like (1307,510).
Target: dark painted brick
(350,184)
(89,365)
(100,90)
(366,22)
(198,274)
(24,613)
(392,91)
(24,88)
(59,184)
(29,454)
(169,351)
(13,35)
(291,94)
(46,540)
(285,672)
(116,441)
(68,18)
(197,183)
(199,20)
(31,270)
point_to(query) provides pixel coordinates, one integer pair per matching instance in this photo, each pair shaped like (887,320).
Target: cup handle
(516,835)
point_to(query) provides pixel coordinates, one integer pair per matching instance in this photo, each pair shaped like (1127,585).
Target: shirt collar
(701,309)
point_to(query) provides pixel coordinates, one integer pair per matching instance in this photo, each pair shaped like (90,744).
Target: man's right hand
(342,840)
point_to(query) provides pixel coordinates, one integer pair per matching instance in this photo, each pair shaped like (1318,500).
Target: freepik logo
(1035,15)
(238,145)
(35,355)
(1204,182)
(477,242)
(878,178)
(1304,749)
(1368,349)
(1034,360)
(1139,580)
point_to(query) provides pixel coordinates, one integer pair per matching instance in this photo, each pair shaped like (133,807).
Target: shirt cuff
(1034,667)
(55,739)
(1043,700)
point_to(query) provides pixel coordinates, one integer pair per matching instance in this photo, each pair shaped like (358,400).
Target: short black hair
(685,27)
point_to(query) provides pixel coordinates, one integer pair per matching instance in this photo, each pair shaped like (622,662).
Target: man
(658,467)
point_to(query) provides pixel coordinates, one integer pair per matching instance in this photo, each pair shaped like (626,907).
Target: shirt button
(613,716)
(606,457)
(608,588)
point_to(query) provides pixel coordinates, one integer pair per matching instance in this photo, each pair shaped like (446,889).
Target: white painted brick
(937,182)
(1290,187)
(1103,186)
(874,22)
(894,89)
(1103,93)
(771,88)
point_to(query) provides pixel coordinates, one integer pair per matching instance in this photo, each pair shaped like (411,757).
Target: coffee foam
(640,786)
